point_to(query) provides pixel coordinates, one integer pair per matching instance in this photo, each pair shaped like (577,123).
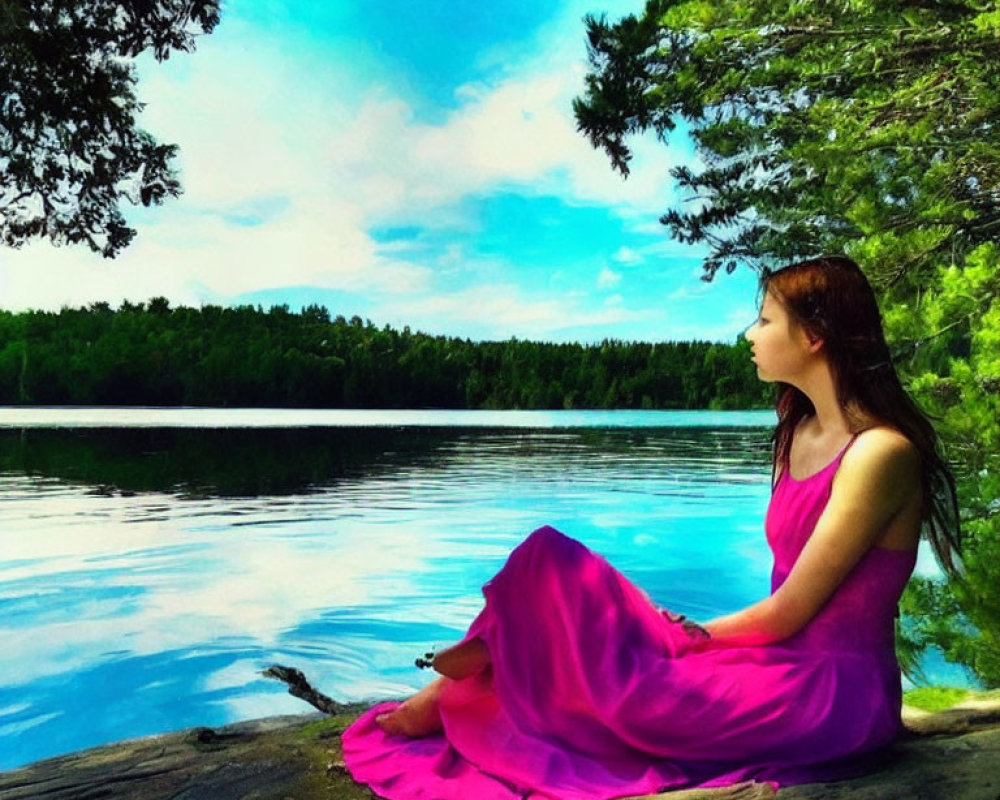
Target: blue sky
(415,163)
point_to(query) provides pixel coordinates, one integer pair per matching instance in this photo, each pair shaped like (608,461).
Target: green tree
(152,354)
(866,128)
(70,149)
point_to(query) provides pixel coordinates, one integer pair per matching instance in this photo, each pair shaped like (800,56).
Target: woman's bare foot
(462,660)
(417,716)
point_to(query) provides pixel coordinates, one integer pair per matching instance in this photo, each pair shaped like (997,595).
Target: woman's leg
(418,716)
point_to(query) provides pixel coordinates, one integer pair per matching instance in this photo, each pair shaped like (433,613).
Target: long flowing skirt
(594,692)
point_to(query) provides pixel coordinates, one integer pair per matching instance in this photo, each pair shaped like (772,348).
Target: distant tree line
(152,354)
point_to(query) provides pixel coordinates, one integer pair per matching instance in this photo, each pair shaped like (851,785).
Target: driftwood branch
(299,687)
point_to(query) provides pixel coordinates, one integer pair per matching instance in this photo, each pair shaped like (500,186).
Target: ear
(816,343)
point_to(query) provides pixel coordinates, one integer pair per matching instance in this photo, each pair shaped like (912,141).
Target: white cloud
(214,260)
(608,279)
(693,290)
(519,134)
(626,255)
(498,311)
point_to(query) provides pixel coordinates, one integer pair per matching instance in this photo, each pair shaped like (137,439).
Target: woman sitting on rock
(572,684)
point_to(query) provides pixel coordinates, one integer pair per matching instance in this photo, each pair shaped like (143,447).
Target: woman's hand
(691,628)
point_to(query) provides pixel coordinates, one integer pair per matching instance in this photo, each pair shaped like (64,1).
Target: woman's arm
(876,479)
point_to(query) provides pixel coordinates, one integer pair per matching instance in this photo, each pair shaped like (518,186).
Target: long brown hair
(831,299)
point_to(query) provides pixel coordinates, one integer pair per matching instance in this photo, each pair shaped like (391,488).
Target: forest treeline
(152,354)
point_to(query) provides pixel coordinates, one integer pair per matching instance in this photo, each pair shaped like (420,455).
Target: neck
(832,418)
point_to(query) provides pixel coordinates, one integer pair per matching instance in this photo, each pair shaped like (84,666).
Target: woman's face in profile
(780,346)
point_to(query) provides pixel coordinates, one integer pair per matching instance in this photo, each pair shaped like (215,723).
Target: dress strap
(847,446)
(843,451)
(831,467)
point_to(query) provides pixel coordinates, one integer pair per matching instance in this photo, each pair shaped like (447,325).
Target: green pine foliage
(865,128)
(151,354)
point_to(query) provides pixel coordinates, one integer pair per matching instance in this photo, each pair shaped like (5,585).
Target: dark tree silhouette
(70,150)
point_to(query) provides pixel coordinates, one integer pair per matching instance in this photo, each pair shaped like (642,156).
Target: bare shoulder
(882,454)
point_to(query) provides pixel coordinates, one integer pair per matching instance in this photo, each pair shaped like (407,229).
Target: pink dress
(593,692)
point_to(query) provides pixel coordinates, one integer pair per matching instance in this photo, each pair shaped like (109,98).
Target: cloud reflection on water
(127,615)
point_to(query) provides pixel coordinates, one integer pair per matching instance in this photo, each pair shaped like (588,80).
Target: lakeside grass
(941,698)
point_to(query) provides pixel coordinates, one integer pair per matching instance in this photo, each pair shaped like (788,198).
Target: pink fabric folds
(593,692)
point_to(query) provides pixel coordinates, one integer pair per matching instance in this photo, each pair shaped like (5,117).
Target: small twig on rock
(299,687)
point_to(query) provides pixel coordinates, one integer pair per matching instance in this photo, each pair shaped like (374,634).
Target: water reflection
(148,575)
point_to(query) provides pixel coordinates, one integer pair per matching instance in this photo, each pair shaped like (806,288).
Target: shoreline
(955,752)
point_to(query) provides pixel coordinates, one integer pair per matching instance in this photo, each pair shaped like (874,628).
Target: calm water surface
(152,563)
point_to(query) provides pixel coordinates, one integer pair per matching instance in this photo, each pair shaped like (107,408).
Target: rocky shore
(947,755)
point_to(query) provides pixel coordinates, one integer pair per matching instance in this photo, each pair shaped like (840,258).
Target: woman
(572,684)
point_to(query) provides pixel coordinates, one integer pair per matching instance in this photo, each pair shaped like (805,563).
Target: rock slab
(950,755)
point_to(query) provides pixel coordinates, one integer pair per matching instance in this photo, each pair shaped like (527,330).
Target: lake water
(154,561)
